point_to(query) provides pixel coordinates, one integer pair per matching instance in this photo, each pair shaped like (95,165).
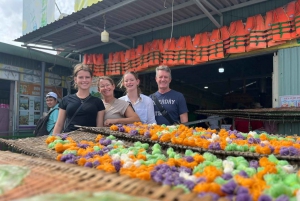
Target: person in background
(52,103)
(213,122)
(92,111)
(116,111)
(143,105)
(172,101)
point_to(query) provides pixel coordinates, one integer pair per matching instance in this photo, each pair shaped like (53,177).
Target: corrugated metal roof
(126,18)
(36,55)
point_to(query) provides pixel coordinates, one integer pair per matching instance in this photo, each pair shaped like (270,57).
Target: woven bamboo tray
(180,148)
(36,146)
(48,176)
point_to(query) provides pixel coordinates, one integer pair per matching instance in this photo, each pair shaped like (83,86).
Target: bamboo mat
(48,176)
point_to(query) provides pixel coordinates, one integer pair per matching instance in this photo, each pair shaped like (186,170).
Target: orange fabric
(268,24)
(250,25)
(297,17)
(190,50)
(180,51)
(202,54)
(99,67)
(283,26)
(216,47)
(225,36)
(258,34)
(237,37)
(154,53)
(168,52)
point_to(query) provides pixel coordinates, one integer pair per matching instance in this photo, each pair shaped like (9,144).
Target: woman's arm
(150,113)
(100,118)
(130,117)
(60,122)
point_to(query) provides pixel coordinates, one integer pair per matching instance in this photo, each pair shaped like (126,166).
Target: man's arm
(184,118)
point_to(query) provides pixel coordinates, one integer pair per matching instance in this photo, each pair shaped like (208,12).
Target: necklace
(82,99)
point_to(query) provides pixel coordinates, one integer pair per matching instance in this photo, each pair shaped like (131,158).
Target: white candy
(127,164)
(228,139)
(215,137)
(228,170)
(137,163)
(187,176)
(228,164)
(115,157)
(288,168)
(265,142)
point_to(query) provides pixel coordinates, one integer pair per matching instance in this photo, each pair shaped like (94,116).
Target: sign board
(36,14)
(80,4)
(29,102)
(8,72)
(289,101)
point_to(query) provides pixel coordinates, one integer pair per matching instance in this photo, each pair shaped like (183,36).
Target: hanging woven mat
(48,176)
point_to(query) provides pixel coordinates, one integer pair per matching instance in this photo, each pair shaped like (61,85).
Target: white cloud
(11,14)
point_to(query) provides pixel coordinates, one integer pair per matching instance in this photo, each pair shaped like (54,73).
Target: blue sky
(11,14)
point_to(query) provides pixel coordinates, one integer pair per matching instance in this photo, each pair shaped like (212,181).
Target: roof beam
(207,13)
(110,32)
(212,7)
(113,40)
(114,7)
(181,22)
(164,11)
(183,5)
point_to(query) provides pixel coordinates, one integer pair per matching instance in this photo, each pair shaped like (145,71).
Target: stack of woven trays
(49,176)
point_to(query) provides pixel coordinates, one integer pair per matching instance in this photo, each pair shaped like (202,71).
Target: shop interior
(4,106)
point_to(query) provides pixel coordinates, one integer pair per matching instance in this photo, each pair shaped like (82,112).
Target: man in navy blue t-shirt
(172,101)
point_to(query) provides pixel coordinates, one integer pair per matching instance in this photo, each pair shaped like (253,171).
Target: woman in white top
(116,111)
(143,105)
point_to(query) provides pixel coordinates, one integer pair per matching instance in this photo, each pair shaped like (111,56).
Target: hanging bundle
(250,25)
(297,18)
(269,33)
(154,54)
(88,60)
(258,35)
(216,47)
(109,65)
(190,49)
(202,54)
(238,37)
(283,26)
(130,62)
(168,52)
(99,68)
(225,37)
(144,58)
(180,51)
(195,43)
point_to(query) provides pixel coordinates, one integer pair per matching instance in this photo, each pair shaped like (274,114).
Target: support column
(42,103)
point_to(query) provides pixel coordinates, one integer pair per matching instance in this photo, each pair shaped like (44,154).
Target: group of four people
(85,110)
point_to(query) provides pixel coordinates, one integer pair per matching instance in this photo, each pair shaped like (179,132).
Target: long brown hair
(121,85)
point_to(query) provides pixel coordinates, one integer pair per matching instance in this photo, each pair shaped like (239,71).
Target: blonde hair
(121,83)
(105,78)
(78,68)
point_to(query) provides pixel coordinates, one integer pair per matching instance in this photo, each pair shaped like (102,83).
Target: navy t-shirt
(86,116)
(174,102)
